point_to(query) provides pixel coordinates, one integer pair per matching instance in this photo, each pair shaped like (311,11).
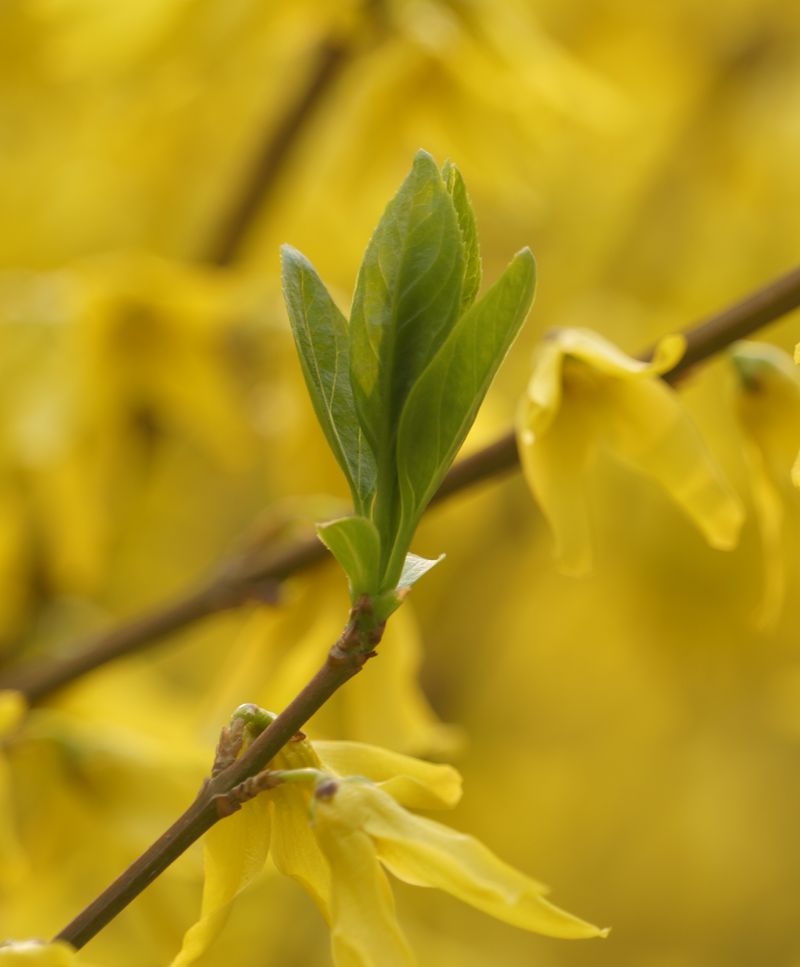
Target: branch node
(227,803)
(231,740)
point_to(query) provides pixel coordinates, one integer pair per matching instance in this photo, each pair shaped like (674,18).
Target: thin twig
(345,659)
(246,578)
(755,311)
(331,59)
(250,577)
(259,184)
(355,647)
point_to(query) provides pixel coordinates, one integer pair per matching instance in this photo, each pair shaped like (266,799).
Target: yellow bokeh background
(631,738)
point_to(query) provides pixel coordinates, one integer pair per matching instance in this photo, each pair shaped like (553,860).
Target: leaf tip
(293,262)
(292,255)
(425,163)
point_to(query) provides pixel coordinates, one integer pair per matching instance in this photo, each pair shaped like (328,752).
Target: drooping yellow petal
(585,394)
(769,513)
(425,853)
(768,403)
(546,384)
(295,850)
(607,358)
(645,424)
(364,928)
(554,465)
(768,411)
(414,783)
(235,851)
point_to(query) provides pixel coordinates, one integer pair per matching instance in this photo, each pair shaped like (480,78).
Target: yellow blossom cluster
(631,736)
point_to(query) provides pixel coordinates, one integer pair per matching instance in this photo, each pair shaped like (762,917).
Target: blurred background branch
(155,155)
(257,575)
(260,180)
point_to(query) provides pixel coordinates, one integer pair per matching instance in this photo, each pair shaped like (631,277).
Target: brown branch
(245,578)
(360,636)
(258,185)
(755,311)
(263,176)
(253,576)
(347,657)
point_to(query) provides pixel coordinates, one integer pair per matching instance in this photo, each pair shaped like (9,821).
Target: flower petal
(584,393)
(554,464)
(364,928)
(427,853)
(546,384)
(235,850)
(12,709)
(295,851)
(414,783)
(607,358)
(768,411)
(646,424)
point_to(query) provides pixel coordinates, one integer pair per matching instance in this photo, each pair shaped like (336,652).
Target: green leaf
(356,545)
(415,567)
(444,402)
(321,336)
(469,233)
(388,601)
(407,299)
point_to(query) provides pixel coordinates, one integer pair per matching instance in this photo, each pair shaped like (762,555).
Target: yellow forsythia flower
(12,709)
(362,829)
(278,823)
(336,830)
(584,395)
(768,410)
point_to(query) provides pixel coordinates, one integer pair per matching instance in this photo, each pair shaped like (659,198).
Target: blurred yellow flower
(335,819)
(12,860)
(586,395)
(796,466)
(12,709)
(36,953)
(768,410)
